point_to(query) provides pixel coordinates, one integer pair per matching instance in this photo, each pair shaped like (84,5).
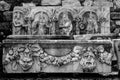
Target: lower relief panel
(75,57)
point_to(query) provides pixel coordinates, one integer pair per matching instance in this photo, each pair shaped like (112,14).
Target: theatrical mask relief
(65,20)
(43,39)
(38,58)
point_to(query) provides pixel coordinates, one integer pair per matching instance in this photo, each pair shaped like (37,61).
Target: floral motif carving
(23,55)
(87,56)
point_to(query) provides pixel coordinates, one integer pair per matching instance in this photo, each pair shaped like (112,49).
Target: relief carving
(42,21)
(66,20)
(89,21)
(93,20)
(39,25)
(23,56)
(104,56)
(26,56)
(19,15)
(88,61)
(65,24)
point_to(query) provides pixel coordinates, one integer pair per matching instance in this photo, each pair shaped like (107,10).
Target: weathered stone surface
(37,57)
(51,2)
(65,20)
(71,2)
(33,54)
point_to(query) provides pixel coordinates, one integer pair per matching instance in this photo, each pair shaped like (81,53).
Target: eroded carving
(65,17)
(25,55)
(18,21)
(22,55)
(88,61)
(94,20)
(66,20)
(89,23)
(65,23)
(40,24)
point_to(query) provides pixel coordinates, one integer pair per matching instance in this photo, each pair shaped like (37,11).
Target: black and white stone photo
(59,39)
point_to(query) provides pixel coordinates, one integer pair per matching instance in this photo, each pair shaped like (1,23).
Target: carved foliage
(24,55)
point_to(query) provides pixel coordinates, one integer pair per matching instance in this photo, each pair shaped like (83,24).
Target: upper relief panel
(85,17)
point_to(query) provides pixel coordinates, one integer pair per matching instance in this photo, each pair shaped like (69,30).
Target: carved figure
(23,55)
(65,23)
(18,21)
(89,25)
(39,25)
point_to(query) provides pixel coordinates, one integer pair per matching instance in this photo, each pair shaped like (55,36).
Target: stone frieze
(40,57)
(65,20)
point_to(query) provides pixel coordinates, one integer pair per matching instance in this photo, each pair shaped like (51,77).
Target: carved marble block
(51,56)
(61,20)
(29,49)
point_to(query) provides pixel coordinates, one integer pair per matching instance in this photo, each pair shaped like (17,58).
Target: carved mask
(88,60)
(26,60)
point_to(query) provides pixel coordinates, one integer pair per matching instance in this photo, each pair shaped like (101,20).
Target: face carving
(18,18)
(26,53)
(88,60)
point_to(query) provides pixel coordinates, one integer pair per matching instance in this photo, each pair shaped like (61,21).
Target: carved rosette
(27,55)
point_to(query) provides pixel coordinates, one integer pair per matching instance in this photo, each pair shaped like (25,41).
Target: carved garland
(86,56)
